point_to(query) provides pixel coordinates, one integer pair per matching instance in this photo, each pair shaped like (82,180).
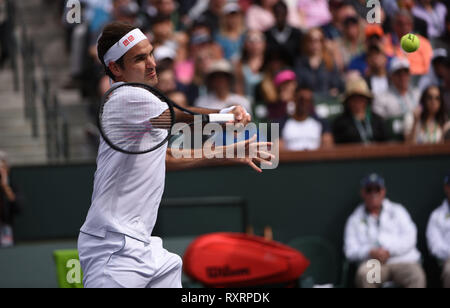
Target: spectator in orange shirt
(421,59)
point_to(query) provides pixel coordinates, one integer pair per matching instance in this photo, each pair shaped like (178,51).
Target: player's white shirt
(393,231)
(438,232)
(302,135)
(128,188)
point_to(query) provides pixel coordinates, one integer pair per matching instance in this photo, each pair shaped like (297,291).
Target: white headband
(120,48)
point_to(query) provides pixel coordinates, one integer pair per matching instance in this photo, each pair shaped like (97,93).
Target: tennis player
(115,245)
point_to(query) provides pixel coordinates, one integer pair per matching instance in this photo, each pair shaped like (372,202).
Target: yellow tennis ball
(410,42)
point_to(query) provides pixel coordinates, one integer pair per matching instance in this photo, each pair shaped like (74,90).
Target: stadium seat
(68,269)
(325,267)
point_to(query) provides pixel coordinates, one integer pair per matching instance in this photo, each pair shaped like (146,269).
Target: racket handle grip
(220,117)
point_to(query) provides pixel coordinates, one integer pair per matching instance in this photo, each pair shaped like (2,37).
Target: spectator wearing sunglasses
(382,230)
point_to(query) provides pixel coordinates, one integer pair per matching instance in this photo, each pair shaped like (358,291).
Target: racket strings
(133,120)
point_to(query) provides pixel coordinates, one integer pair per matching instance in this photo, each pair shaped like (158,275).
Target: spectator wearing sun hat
(438,234)
(219,81)
(358,123)
(400,99)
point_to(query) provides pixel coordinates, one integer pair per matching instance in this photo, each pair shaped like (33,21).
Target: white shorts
(119,261)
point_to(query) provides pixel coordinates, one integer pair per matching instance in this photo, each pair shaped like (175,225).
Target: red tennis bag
(240,260)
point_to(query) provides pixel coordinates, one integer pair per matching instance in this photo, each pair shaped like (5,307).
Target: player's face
(140,65)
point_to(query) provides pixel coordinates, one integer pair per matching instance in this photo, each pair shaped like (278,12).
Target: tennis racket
(136,118)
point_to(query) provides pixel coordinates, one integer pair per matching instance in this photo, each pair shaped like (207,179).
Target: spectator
(420,60)
(283,36)
(9,206)
(314,13)
(376,73)
(248,69)
(361,8)
(332,30)
(162,32)
(340,10)
(219,81)
(400,99)
(191,72)
(444,40)
(213,13)
(382,230)
(374,35)
(438,71)
(304,130)
(438,234)
(433,12)
(231,35)
(168,8)
(121,10)
(393,6)
(285,83)
(358,124)
(316,67)
(266,92)
(166,79)
(260,15)
(4,31)
(165,56)
(426,123)
(351,43)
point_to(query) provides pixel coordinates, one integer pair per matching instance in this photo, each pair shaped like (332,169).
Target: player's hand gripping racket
(135,118)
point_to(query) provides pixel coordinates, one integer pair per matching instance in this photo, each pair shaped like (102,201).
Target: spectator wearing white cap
(219,82)
(381,230)
(231,35)
(400,99)
(438,234)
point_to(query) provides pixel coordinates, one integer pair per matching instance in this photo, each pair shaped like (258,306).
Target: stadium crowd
(265,55)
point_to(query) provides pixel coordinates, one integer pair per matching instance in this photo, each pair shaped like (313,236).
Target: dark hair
(304,86)
(159,19)
(112,33)
(441,116)
(281,5)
